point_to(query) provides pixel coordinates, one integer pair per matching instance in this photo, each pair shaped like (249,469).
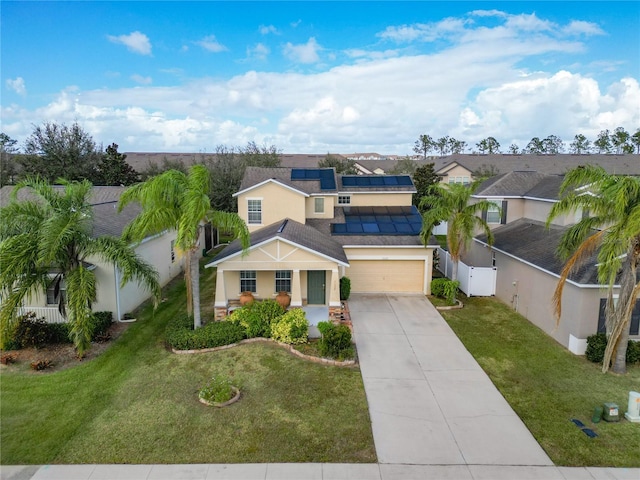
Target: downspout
(118,313)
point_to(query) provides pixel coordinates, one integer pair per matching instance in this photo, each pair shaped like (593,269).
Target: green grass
(547,385)
(137,403)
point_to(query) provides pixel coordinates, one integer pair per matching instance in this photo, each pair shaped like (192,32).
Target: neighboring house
(310,227)
(524,253)
(157,250)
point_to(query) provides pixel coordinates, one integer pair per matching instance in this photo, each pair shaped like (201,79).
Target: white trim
(270,180)
(390,257)
(575,284)
(288,242)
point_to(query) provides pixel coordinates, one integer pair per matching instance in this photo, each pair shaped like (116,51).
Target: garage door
(386,275)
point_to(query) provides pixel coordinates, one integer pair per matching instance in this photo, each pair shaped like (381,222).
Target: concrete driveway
(429,400)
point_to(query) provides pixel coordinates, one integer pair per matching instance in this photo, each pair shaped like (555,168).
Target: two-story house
(310,227)
(528,269)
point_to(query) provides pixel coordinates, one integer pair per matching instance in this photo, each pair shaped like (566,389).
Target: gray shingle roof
(256,175)
(512,184)
(104,199)
(532,242)
(295,232)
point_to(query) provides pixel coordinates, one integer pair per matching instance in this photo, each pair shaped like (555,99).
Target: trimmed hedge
(257,317)
(335,341)
(596,345)
(345,288)
(291,328)
(181,335)
(35,332)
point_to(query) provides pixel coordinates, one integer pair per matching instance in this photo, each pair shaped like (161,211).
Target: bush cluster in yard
(445,288)
(265,319)
(335,341)
(31,331)
(596,345)
(345,288)
(181,335)
(257,317)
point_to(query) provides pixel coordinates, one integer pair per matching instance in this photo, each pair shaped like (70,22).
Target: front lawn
(137,403)
(548,386)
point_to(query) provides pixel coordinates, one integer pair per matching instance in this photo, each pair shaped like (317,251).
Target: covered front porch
(306,288)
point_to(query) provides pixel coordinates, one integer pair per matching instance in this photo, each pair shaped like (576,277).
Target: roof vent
(284,224)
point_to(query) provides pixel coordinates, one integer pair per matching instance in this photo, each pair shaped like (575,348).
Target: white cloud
(303,53)
(17,85)
(425,32)
(141,80)
(136,42)
(210,44)
(296,23)
(259,51)
(266,29)
(579,27)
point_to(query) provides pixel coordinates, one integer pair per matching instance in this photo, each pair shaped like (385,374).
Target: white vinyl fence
(50,314)
(474,281)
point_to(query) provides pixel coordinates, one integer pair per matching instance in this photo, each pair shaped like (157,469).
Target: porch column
(296,290)
(220,303)
(334,289)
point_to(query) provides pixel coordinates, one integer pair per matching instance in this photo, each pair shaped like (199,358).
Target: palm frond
(81,293)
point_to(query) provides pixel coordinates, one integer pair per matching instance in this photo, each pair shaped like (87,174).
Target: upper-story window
(318,205)
(493,213)
(344,199)
(465,180)
(254,211)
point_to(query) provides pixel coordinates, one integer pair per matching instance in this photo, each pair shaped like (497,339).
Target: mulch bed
(62,355)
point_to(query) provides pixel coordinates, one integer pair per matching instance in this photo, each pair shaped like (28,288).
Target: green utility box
(611,412)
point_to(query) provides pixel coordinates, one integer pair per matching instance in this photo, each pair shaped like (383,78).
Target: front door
(315,287)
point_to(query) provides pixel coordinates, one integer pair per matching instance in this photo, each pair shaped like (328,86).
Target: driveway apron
(429,400)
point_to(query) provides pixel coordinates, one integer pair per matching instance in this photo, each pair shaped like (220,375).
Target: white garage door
(386,276)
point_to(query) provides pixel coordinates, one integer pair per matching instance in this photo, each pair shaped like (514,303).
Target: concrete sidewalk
(429,400)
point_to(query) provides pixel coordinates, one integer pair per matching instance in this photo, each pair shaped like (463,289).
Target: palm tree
(450,203)
(52,233)
(177,201)
(612,229)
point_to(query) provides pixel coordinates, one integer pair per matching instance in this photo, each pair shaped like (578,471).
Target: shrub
(181,335)
(596,345)
(257,317)
(8,359)
(217,390)
(345,288)
(36,332)
(100,323)
(291,328)
(41,365)
(437,287)
(335,341)
(445,288)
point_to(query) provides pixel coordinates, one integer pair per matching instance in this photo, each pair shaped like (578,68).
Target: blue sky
(317,77)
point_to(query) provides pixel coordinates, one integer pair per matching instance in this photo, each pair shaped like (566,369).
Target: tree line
(619,141)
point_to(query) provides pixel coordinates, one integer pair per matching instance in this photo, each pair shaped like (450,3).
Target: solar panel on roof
(390,181)
(349,181)
(325,175)
(380,220)
(404,180)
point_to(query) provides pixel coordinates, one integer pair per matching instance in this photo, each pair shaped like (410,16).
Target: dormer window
(344,199)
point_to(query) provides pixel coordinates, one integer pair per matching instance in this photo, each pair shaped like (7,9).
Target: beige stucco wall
(378,199)
(529,291)
(329,202)
(278,202)
(456,171)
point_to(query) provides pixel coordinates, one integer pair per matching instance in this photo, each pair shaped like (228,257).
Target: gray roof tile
(256,175)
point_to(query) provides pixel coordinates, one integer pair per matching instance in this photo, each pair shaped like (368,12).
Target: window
(283,280)
(493,214)
(254,214)
(319,205)
(248,281)
(344,199)
(173,251)
(52,298)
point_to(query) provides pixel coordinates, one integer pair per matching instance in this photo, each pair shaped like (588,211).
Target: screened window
(52,298)
(254,211)
(319,205)
(344,200)
(493,214)
(248,281)
(283,280)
